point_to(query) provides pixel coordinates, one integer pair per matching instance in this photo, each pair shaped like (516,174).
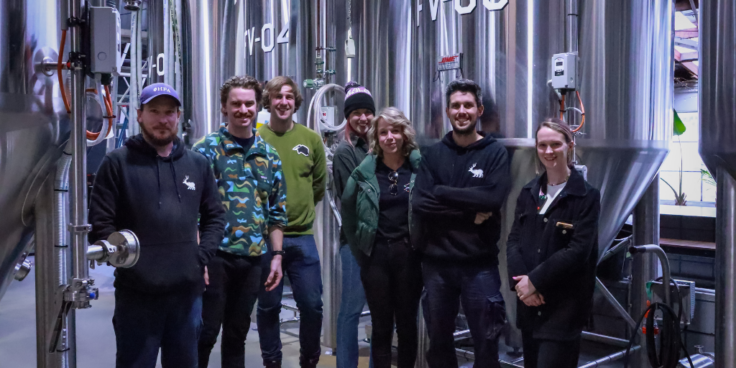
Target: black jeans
(145,323)
(477,287)
(548,353)
(392,279)
(228,302)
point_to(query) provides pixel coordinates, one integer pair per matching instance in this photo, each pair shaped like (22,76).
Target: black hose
(670,336)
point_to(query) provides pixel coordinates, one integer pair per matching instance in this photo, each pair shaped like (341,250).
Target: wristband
(278,253)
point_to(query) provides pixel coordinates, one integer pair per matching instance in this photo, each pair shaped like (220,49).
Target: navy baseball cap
(157,90)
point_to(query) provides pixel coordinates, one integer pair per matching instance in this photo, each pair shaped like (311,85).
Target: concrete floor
(96,339)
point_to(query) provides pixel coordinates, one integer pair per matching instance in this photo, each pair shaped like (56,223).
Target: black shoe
(272,363)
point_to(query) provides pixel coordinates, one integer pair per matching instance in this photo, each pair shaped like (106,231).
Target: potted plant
(678,128)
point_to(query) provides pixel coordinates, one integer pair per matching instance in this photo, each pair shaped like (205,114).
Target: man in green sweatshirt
(304,166)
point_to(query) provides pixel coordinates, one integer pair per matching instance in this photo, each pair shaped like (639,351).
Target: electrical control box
(104,31)
(564,71)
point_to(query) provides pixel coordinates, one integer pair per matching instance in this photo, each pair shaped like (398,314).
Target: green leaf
(678,127)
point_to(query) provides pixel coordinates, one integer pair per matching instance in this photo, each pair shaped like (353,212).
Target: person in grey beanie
(359,111)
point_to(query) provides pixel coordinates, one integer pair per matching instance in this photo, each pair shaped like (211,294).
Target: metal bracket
(80,228)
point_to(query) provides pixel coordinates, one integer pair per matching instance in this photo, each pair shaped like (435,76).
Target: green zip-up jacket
(360,206)
(252,189)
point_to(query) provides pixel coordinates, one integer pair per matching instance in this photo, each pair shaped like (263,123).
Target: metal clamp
(80,228)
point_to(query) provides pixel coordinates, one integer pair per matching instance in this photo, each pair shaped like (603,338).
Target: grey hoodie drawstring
(173,172)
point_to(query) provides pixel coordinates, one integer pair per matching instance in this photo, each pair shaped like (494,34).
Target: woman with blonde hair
(377,223)
(552,253)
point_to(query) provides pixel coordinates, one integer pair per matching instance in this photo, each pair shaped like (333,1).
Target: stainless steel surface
(22,269)
(382,30)
(33,121)
(718,86)
(423,344)
(610,358)
(157,44)
(626,85)
(644,267)
(121,250)
(203,24)
(53,268)
(615,341)
(623,313)
(78,174)
(717,133)
(725,268)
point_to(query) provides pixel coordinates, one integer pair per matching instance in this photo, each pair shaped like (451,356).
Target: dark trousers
(477,287)
(145,323)
(548,353)
(392,279)
(228,302)
(301,264)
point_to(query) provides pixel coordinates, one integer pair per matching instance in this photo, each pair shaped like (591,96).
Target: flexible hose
(319,125)
(670,341)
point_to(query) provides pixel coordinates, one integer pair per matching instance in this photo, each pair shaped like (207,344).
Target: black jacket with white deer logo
(454,184)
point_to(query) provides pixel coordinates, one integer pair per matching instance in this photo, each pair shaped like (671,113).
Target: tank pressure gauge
(564,71)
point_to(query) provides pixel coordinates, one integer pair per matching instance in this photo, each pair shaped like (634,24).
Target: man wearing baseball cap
(158,189)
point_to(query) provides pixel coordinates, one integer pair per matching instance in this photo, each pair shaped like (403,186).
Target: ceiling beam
(691,67)
(681,5)
(687,33)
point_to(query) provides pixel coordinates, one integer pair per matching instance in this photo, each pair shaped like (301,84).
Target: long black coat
(558,251)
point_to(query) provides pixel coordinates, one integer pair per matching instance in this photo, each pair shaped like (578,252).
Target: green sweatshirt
(305,169)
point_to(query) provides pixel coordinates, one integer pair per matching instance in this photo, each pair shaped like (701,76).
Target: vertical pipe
(423,333)
(725,269)
(571,46)
(135,65)
(46,284)
(78,141)
(644,266)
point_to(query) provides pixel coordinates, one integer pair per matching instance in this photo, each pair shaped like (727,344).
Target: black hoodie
(454,184)
(159,199)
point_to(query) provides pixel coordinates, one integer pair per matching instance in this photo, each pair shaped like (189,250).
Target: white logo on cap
(161,89)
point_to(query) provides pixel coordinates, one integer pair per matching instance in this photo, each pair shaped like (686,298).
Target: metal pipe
(614,303)
(659,252)
(614,249)
(78,140)
(610,358)
(725,345)
(603,339)
(644,266)
(423,345)
(571,46)
(460,335)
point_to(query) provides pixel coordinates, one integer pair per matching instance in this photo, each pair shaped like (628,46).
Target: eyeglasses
(393,189)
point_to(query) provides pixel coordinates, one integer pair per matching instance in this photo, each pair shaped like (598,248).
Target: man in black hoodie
(158,189)
(462,183)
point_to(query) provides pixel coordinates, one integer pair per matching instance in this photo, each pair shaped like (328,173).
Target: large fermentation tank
(717,148)
(625,79)
(33,122)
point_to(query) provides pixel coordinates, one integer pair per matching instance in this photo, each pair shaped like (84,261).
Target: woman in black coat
(552,253)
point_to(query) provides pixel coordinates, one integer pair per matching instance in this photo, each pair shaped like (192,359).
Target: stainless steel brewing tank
(33,121)
(626,52)
(625,79)
(718,86)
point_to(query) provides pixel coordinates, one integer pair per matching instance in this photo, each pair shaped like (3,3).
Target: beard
(158,138)
(470,129)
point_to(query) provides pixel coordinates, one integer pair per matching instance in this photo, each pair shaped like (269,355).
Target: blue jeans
(301,264)
(477,287)
(145,323)
(351,306)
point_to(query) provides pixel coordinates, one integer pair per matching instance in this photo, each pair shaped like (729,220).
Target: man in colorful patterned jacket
(253,191)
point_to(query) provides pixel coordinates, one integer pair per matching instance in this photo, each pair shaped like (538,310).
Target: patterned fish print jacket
(252,189)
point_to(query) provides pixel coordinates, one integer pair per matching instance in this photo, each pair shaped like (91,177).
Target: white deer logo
(189,184)
(477,173)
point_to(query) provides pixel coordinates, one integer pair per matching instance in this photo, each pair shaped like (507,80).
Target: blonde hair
(558,126)
(393,117)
